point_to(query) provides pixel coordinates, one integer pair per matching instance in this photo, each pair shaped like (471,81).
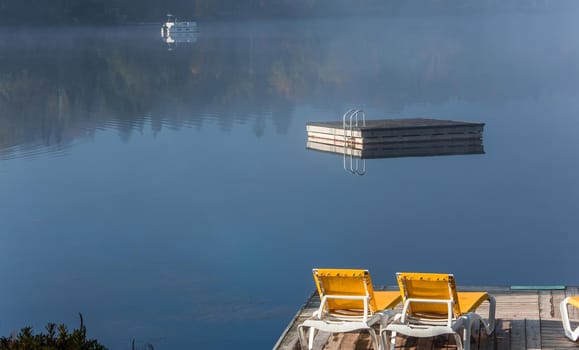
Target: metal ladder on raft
(352,166)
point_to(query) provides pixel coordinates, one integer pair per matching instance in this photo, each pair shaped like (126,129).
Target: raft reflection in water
(355,158)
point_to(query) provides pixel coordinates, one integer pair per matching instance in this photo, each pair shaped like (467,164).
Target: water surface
(167,194)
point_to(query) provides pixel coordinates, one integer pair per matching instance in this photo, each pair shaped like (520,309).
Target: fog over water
(165,191)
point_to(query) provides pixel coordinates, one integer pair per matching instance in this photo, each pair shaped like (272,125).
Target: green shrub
(55,338)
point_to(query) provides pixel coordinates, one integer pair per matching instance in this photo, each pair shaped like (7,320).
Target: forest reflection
(58,85)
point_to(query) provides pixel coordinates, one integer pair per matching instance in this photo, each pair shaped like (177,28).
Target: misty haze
(161,186)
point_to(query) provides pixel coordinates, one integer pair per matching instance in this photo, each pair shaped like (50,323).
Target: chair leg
(309,343)
(384,322)
(573,335)
(490,325)
(311,338)
(302,337)
(393,340)
(375,343)
(384,340)
(466,335)
(458,342)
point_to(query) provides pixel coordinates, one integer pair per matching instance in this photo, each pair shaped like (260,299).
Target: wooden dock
(527,318)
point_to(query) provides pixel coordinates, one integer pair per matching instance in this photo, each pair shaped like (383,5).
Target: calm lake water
(167,193)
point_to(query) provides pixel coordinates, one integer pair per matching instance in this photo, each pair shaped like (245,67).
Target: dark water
(169,197)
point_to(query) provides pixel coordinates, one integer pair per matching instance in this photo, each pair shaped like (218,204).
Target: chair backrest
(345,282)
(429,286)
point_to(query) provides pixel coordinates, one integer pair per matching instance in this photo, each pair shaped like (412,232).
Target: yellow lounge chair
(433,306)
(348,303)
(574,301)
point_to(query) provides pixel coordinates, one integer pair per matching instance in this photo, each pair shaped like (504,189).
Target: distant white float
(174,31)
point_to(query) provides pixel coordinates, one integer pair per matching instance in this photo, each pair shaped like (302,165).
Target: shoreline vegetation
(106,12)
(56,337)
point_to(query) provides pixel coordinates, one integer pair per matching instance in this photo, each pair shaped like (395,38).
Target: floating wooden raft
(382,136)
(527,318)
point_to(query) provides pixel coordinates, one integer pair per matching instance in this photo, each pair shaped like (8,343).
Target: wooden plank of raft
(407,123)
(366,133)
(384,139)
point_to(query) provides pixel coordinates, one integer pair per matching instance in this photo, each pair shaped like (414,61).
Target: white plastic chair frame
(430,328)
(571,334)
(322,320)
(420,327)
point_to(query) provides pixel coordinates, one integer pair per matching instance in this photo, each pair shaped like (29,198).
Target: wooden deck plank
(503,334)
(533,324)
(518,339)
(321,339)
(533,333)
(553,337)
(549,304)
